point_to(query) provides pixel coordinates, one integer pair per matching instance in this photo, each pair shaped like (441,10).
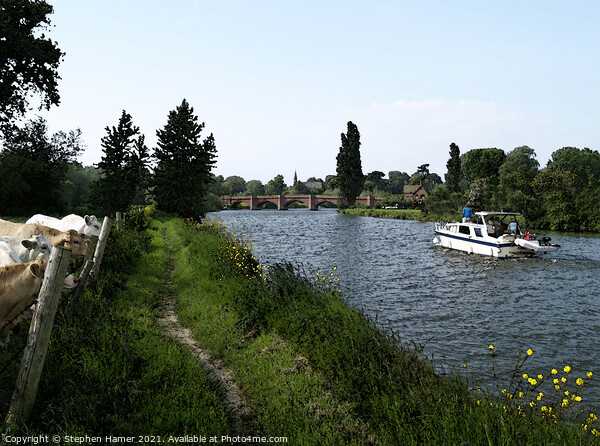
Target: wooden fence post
(40,329)
(99,252)
(88,264)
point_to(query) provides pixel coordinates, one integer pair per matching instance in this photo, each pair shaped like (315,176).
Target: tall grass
(109,368)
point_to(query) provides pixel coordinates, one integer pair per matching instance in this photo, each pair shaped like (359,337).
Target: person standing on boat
(513,227)
(467,214)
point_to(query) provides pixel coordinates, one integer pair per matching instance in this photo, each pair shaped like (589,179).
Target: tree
(255,187)
(350,178)
(33,167)
(276,186)
(397,180)
(236,184)
(517,174)
(124,166)
(482,163)
(453,167)
(583,163)
(183,171)
(28,59)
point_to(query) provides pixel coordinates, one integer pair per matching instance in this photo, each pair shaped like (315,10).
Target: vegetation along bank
(307,366)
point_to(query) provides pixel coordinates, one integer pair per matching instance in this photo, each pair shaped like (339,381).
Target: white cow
(8,256)
(19,286)
(29,248)
(87,225)
(58,238)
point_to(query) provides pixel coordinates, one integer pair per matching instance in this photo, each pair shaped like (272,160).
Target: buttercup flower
(579,381)
(491,347)
(567,369)
(529,352)
(554,371)
(589,374)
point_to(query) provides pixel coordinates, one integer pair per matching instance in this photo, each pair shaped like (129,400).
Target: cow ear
(35,269)
(28,244)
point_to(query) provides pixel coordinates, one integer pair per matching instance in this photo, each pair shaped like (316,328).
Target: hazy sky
(277,81)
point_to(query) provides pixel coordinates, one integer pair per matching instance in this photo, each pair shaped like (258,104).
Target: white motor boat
(495,234)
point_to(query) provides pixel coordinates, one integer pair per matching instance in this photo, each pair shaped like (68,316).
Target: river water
(452,303)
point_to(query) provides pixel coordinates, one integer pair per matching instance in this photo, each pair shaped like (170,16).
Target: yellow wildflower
(529,352)
(563,379)
(579,381)
(525,376)
(491,347)
(540,376)
(567,369)
(589,374)
(554,371)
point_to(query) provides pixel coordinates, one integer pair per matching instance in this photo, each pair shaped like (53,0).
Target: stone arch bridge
(283,201)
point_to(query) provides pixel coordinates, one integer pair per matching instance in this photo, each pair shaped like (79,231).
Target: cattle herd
(24,252)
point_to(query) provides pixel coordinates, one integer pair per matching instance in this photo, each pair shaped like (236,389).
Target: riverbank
(397,214)
(309,368)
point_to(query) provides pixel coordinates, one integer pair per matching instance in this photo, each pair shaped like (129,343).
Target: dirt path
(219,375)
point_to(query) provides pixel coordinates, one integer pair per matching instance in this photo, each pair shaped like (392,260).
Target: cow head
(37,268)
(74,241)
(38,242)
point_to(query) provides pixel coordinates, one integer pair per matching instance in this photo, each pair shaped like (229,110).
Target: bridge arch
(283,201)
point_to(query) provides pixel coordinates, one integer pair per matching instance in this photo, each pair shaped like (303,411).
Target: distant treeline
(562,196)
(40,173)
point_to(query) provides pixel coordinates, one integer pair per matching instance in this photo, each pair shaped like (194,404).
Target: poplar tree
(350,178)
(184,162)
(123,166)
(454,166)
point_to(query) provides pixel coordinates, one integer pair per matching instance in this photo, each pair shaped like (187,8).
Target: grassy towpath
(221,377)
(283,396)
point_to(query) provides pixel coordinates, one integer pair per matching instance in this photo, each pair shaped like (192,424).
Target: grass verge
(397,214)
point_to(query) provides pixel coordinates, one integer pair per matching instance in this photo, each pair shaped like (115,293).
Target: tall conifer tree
(184,162)
(454,166)
(350,178)
(123,166)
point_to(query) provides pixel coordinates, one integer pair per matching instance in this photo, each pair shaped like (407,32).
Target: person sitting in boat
(467,214)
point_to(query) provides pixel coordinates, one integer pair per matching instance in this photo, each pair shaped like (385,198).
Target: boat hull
(482,247)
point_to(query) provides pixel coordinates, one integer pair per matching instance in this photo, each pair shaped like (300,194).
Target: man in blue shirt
(467,214)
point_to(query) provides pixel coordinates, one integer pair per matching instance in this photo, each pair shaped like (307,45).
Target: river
(452,303)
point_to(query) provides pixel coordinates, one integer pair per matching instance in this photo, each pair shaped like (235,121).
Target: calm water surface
(453,303)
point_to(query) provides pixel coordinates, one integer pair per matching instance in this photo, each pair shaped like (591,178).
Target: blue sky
(277,81)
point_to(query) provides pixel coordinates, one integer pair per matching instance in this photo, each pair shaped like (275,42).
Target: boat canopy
(484,213)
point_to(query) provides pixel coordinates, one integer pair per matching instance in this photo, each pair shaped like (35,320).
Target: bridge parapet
(283,201)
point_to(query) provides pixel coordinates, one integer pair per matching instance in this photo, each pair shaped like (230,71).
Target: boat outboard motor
(545,241)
